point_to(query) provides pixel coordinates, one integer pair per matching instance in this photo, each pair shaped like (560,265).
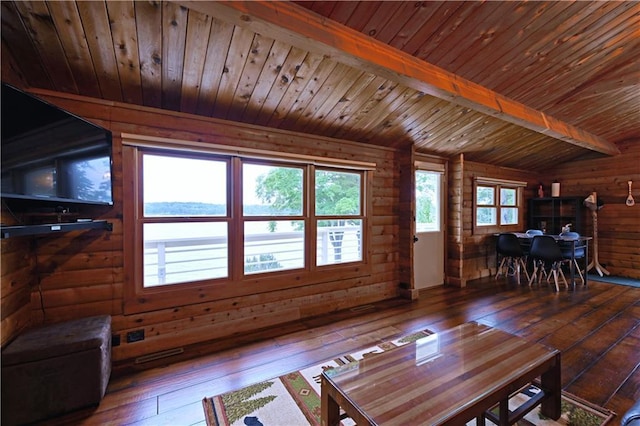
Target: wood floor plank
(597,329)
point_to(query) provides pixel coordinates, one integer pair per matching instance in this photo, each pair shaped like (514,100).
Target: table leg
(572,267)
(504,412)
(586,260)
(329,408)
(552,384)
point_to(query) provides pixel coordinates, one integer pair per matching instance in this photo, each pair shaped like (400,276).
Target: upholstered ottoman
(54,369)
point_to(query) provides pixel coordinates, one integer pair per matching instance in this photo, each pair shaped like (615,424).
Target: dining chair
(546,254)
(510,256)
(566,247)
(526,242)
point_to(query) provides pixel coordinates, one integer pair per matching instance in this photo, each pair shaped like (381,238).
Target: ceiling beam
(304,29)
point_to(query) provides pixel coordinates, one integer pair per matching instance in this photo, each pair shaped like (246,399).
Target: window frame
(497,185)
(142,299)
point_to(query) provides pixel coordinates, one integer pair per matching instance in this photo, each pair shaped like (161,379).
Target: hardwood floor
(597,328)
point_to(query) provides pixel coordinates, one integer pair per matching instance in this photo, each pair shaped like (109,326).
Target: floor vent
(158,355)
(362,308)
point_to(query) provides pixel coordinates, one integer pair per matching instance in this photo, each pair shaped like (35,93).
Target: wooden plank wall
(455,219)
(406,213)
(618,224)
(473,256)
(17,281)
(81,272)
(479,249)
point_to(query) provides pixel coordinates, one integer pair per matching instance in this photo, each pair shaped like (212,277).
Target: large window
(497,205)
(240,225)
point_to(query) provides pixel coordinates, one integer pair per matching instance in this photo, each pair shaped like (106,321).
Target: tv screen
(50,154)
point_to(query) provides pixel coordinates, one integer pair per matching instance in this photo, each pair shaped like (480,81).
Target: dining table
(576,243)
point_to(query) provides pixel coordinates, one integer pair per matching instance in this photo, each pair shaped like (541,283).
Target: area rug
(615,280)
(293,399)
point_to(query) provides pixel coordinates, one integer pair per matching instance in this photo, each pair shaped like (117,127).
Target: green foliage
(426,197)
(281,188)
(266,262)
(337,193)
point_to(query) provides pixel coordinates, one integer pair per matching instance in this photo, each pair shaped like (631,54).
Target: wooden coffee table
(449,377)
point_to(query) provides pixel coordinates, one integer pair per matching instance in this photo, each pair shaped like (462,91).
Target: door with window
(429,248)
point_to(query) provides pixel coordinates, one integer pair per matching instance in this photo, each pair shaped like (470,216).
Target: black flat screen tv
(51,155)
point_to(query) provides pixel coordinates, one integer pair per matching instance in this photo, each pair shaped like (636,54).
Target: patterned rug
(294,399)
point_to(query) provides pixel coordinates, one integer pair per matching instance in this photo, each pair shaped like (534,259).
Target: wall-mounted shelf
(51,228)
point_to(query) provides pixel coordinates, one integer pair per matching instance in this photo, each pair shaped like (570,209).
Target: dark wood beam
(293,24)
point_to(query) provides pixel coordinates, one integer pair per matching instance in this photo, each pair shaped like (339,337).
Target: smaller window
(497,204)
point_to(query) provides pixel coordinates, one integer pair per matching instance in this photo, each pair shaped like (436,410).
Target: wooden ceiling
(517,84)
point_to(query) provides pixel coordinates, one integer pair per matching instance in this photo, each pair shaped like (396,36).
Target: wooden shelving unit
(552,213)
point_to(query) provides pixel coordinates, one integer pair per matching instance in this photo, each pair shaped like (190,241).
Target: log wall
(53,278)
(472,256)
(618,224)
(81,273)
(477,256)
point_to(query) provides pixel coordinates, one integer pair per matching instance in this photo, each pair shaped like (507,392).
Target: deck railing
(177,260)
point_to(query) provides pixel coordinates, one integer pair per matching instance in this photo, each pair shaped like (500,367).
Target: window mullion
(236,222)
(311,227)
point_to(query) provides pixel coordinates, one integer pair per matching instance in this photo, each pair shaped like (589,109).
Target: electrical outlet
(135,336)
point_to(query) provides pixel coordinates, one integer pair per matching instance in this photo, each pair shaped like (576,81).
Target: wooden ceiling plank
(253,84)
(518,37)
(285,74)
(287,21)
(95,21)
(67,20)
(412,30)
(16,44)
(324,8)
(10,68)
(125,41)
(473,39)
(391,124)
(39,23)
(148,29)
(315,83)
(399,16)
(345,115)
(360,16)
(198,30)
(233,65)
(425,43)
(369,122)
(304,75)
(341,98)
(332,89)
(585,72)
(217,50)
(553,64)
(385,90)
(174,36)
